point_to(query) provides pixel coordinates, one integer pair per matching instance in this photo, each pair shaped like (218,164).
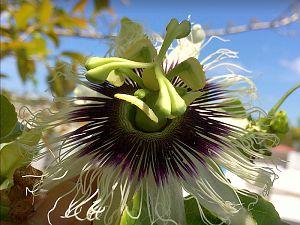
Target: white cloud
(293,65)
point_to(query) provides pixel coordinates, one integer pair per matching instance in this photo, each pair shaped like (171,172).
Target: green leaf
(79,22)
(263,212)
(80,6)
(21,64)
(130,33)
(26,66)
(16,132)
(2,75)
(8,117)
(13,156)
(37,45)
(16,154)
(193,216)
(100,5)
(75,56)
(45,11)
(53,37)
(25,12)
(59,84)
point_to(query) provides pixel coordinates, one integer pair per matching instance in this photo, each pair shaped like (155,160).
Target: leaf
(75,56)
(37,45)
(80,6)
(2,75)
(59,84)
(8,117)
(79,22)
(23,14)
(130,33)
(13,156)
(193,216)
(45,11)
(26,66)
(53,36)
(16,154)
(5,32)
(263,212)
(100,5)
(16,132)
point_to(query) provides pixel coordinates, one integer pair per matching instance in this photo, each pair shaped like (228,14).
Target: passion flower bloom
(152,127)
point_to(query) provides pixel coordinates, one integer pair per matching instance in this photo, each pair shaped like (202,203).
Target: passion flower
(154,126)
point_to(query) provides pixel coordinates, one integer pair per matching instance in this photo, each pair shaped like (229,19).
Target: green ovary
(143,122)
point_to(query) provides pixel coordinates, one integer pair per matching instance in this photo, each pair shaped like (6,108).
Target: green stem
(164,48)
(131,64)
(283,98)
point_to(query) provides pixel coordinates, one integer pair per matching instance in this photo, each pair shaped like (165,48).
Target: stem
(164,48)
(131,64)
(283,98)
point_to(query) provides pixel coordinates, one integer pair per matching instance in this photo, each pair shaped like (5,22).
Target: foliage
(30,28)
(292,138)
(262,211)
(15,154)
(8,118)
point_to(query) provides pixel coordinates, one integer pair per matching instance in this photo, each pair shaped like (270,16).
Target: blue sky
(273,57)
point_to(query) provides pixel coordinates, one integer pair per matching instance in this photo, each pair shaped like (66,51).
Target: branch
(69,33)
(254,26)
(276,23)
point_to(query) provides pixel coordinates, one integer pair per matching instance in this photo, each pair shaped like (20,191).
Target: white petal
(165,203)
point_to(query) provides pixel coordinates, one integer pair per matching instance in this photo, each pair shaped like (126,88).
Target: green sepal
(190,72)
(141,51)
(191,96)
(116,78)
(149,79)
(130,32)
